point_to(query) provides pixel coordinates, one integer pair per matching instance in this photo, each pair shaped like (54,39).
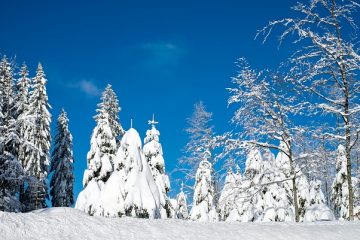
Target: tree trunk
(293,181)
(296,205)
(348,169)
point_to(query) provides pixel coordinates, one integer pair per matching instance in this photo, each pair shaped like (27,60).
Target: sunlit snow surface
(68,223)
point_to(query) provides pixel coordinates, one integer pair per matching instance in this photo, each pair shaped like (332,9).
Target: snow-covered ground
(68,223)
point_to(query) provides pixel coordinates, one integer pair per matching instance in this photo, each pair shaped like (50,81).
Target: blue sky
(160,56)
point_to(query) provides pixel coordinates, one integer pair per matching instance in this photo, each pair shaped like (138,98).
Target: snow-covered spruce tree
(11,171)
(21,105)
(203,208)
(340,192)
(266,114)
(283,166)
(227,197)
(154,155)
(62,160)
(277,203)
(325,64)
(317,209)
(99,163)
(252,206)
(181,211)
(36,159)
(110,104)
(142,193)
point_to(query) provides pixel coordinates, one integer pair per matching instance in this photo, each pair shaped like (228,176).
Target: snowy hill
(68,223)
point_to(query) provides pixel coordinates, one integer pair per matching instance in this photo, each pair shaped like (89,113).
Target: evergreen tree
(154,156)
(277,204)
(100,160)
(340,192)
(250,205)
(227,198)
(62,160)
(142,193)
(110,104)
(102,151)
(36,159)
(181,211)
(11,171)
(317,209)
(203,202)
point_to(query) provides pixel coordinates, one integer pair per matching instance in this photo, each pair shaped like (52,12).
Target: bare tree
(265,111)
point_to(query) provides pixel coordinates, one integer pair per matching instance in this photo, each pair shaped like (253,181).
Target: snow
(68,223)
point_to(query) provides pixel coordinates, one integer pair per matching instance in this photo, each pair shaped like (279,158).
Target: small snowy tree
(227,200)
(110,104)
(154,156)
(203,208)
(181,211)
(317,209)
(62,160)
(340,192)
(277,203)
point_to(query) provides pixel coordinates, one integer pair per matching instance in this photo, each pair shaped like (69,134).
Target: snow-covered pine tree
(21,104)
(227,197)
(154,156)
(102,150)
(340,193)
(110,105)
(203,208)
(142,193)
(181,211)
(99,163)
(62,160)
(250,205)
(317,209)
(23,119)
(277,204)
(11,171)
(37,155)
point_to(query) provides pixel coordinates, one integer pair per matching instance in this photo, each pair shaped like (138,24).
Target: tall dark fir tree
(62,160)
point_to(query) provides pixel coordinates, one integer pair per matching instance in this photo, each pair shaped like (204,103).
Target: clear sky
(160,56)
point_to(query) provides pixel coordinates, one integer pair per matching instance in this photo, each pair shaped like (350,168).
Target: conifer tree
(181,211)
(317,209)
(36,160)
(11,171)
(203,202)
(154,156)
(227,197)
(62,165)
(110,104)
(340,193)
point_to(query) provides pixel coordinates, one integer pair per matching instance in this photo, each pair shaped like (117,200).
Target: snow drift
(68,223)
